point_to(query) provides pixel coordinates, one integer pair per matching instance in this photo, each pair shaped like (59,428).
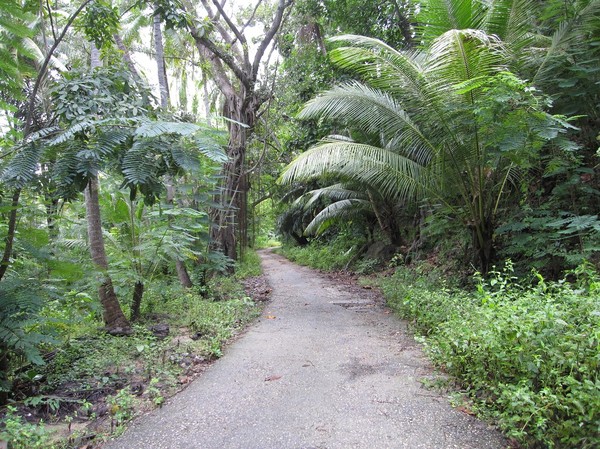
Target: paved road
(322,369)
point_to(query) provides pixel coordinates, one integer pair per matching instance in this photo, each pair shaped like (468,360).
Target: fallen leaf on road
(271,317)
(271,378)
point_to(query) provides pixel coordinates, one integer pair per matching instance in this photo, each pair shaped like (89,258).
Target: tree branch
(215,19)
(283,4)
(203,42)
(42,73)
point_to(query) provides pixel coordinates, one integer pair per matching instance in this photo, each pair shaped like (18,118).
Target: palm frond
(394,175)
(374,112)
(382,67)
(335,212)
(510,20)
(460,55)
(437,17)
(568,33)
(335,192)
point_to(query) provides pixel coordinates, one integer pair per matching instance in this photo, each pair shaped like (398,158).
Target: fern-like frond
(160,128)
(394,175)
(374,112)
(336,212)
(23,166)
(140,164)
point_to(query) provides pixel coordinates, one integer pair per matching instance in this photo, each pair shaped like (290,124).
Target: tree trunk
(483,243)
(114,318)
(127,57)
(95,59)
(136,302)
(183,275)
(4,366)
(10,234)
(234,197)
(160,63)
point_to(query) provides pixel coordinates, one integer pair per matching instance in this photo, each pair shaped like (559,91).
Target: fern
(20,304)
(21,170)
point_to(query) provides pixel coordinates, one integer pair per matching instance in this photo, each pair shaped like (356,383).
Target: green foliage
(326,254)
(121,406)
(83,96)
(526,355)
(249,265)
(15,49)
(20,324)
(100,22)
(20,434)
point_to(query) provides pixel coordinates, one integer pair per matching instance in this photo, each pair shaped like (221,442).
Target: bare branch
(203,42)
(283,4)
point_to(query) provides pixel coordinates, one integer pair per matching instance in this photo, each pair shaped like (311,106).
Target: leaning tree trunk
(115,320)
(183,275)
(10,234)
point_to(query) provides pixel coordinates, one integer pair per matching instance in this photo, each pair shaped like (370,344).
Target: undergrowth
(334,254)
(89,374)
(527,356)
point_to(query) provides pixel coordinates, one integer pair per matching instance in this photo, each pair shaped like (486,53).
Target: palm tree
(453,125)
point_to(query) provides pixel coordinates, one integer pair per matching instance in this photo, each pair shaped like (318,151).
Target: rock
(160,330)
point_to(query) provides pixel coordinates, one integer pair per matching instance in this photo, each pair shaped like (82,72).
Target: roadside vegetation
(451,146)
(91,384)
(454,163)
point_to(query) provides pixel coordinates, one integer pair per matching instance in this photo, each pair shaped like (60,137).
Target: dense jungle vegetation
(448,149)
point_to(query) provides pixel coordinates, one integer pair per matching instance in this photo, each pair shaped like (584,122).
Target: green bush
(19,434)
(334,254)
(527,356)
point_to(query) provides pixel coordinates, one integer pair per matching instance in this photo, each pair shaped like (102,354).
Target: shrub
(527,355)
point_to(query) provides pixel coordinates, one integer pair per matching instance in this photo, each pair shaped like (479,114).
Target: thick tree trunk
(136,302)
(232,214)
(10,234)
(114,318)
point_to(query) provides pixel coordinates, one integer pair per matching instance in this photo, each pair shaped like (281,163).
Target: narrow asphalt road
(322,369)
